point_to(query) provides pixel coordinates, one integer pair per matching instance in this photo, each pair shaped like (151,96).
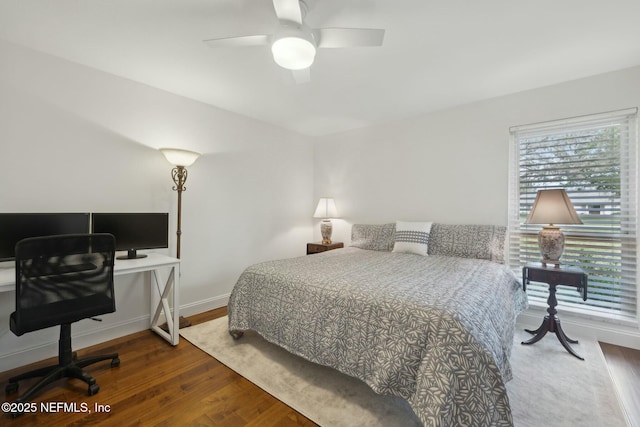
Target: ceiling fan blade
(348,37)
(302,76)
(259,40)
(288,10)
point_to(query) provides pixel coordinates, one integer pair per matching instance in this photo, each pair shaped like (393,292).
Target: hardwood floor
(160,385)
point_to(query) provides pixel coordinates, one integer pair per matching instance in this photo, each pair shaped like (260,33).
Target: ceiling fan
(294,44)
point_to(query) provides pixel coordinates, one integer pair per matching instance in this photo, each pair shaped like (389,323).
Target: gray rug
(550,387)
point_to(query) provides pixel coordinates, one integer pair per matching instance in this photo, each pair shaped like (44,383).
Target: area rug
(550,387)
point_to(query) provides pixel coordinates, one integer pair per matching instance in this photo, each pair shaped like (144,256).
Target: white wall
(452,166)
(76,139)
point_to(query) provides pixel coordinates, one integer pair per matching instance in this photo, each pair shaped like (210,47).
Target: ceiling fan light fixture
(293,43)
(293,53)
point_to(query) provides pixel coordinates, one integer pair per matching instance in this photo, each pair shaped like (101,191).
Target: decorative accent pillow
(380,237)
(412,237)
(469,241)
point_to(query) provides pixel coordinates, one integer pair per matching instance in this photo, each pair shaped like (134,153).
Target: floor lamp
(180,159)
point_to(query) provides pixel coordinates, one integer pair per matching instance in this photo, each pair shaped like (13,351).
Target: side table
(314,248)
(554,276)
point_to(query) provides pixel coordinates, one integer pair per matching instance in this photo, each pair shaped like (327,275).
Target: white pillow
(412,237)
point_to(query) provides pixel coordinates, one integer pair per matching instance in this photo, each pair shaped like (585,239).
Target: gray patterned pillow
(469,241)
(379,237)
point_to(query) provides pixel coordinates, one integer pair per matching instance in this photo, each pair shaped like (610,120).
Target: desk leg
(169,289)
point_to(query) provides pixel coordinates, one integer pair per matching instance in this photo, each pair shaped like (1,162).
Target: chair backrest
(62,279)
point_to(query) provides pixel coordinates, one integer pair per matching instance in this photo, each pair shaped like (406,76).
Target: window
(594,158)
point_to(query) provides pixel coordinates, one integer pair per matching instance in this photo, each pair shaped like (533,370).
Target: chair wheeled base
(69,366)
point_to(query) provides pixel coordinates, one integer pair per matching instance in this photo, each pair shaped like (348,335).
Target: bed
(436,330)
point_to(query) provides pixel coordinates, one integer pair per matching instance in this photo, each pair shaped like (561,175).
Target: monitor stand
(131,254)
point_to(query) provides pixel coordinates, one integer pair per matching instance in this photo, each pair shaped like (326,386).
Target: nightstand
(554,276)
(315,248)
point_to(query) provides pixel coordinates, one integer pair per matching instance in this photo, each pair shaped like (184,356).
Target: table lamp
(326,209)
(552,207)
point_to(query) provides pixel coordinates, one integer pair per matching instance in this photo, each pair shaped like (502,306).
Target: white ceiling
(436,53)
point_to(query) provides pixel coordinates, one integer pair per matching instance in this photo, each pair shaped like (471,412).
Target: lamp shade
(326,208)
(553,206)
(179,157)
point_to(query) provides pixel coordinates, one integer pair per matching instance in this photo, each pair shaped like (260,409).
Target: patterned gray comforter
(436,331)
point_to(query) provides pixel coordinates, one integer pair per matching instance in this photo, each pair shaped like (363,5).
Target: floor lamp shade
(326,209)
(552,207)
(179,157)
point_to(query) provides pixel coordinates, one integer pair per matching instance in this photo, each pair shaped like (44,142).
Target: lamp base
(326,229)
(551,244)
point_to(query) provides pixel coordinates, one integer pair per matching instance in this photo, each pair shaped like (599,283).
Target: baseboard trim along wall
(204,305)
(531,318)
(96,336)
(79,341)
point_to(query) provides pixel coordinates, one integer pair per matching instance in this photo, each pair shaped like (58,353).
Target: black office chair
(61,280)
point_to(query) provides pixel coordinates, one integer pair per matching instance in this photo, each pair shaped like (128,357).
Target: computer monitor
(17,226)
(133,231)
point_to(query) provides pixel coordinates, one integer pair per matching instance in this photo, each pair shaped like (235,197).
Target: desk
(164,289)
(554,276)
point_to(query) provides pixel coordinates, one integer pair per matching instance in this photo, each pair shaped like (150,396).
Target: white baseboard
(82,340)
(204,305)
(607,332)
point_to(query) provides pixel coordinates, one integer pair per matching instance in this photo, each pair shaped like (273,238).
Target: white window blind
(595,159)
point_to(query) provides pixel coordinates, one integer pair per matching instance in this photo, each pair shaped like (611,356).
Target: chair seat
(48,315)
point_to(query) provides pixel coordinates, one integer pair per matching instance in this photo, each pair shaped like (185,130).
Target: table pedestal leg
(551,323)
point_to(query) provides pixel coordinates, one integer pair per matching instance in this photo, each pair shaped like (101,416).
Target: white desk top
(126,266)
